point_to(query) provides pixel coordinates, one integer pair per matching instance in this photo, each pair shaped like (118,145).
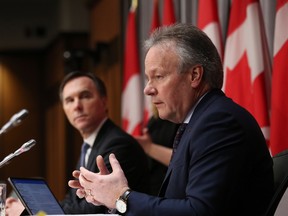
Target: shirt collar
(190,113)
(90,140)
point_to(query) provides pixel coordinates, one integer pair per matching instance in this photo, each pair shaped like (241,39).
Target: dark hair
(193,47)
(99,84)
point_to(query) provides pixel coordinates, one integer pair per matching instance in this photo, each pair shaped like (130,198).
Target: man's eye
(68,101)
(86,95)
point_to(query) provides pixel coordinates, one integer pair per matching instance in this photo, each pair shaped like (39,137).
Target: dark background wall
(31,69)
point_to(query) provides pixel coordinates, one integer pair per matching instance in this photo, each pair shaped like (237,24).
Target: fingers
(145,131)
(96,203)
(86,178)
(85,175)
(13,207)
(101,188)
(74,184)
(85,182)
(101,165)
(80,193)
(88,175)
(76,173)
(10,200)
(90,199)
(114,162)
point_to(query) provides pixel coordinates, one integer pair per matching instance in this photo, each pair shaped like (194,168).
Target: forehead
(78,84)
(161,57)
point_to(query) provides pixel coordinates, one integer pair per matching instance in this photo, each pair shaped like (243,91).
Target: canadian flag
(168,13)
(246,61)
(208,21)
(155,16)
(132,95)
(148,112)
(279,105)
(167,19)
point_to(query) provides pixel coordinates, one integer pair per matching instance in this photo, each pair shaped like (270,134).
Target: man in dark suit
(221,166)
(84,101)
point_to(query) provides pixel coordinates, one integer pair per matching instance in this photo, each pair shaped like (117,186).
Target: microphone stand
(7,159)
(25,147)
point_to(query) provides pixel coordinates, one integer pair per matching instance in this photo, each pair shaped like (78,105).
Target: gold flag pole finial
(134,5)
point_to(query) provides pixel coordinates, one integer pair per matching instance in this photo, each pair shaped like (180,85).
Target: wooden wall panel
(63,143)
(19,89)
(56,150)
(31,81)
(106,27)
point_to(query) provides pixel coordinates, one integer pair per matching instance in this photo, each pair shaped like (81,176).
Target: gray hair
(193,47)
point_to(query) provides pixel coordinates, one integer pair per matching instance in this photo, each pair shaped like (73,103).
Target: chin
(167,117)
(162,116)
(81,127)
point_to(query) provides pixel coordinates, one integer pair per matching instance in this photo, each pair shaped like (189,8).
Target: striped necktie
(178,136)
(84,149)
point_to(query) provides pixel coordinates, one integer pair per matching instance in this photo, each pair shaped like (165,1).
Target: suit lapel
(99,139)
(201,107)
(165,183)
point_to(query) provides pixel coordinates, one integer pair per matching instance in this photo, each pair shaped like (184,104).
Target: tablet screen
(36,195)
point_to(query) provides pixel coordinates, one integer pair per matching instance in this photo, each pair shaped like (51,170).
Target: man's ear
(104,101)
(196,75)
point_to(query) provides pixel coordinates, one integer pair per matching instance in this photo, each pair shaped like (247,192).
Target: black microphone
(25,147)
(14,121)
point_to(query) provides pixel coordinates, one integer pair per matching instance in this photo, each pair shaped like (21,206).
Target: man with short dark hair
(84,101)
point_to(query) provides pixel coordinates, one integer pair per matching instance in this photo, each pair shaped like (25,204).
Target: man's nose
(149,89)
(77,104)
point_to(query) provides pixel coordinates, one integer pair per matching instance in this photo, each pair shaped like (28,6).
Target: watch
(121,202)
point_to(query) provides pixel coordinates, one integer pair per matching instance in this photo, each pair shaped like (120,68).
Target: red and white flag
(279,105)
(167,19)
(208,21)
(155,22)
(148,112)
(168,13)
(247,66)
(132,95)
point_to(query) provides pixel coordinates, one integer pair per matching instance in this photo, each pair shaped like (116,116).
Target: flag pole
(134,5)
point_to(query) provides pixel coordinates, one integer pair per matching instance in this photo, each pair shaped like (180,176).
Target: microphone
(14,121)
(25,147)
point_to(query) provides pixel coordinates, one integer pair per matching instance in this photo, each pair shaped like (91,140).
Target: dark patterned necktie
(178,136)
(84,149)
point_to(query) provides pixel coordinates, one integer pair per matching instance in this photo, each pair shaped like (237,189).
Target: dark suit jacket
(112,139)
(222,166)
(162,132)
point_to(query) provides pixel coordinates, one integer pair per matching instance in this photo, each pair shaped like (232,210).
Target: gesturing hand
(103,187)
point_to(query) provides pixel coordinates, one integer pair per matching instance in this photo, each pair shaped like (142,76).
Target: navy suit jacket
(132,158)
(222,166)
